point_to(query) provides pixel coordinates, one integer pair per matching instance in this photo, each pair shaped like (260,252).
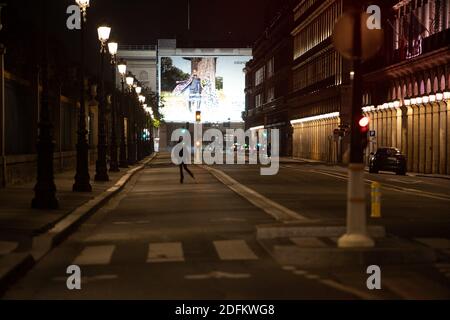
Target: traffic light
(364,130)
(198,116)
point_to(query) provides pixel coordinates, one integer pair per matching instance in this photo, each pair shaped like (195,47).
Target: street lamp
(131,118)
(114,161)
(101,172)
(45,189)
(122,66)
(138,90)
(82,177)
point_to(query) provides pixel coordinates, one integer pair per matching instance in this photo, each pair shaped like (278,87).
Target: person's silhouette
(183,166)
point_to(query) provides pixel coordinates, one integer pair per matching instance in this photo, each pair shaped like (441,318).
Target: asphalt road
(162,240)
(412,206)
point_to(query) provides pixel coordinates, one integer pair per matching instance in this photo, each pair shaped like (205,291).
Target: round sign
(343,34)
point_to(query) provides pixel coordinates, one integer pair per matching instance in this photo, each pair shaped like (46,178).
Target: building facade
(406,86)
(268,78)
(320,99)
(141,62)
(407,98)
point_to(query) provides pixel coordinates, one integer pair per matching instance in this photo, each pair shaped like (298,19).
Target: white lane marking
(234,250)
(406,181)
(85,280)
(271,207)
(165,252)
(300,272)
(308,242)
(7,247)
(435,243)
(391,187)
(95,255)
(218,275)
(288,268)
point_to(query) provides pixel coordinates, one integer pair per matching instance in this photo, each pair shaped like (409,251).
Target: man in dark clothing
(183,166)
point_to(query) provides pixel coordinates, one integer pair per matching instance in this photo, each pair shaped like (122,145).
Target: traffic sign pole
(356,235)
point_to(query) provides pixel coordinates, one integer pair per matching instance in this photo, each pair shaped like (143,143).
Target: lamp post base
(355,241)
(45,201)
(82,187)
(101,172)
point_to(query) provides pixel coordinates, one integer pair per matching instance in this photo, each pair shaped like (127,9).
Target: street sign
(372,133)
(343,35)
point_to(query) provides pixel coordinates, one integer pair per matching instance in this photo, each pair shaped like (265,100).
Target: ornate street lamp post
(140,127)
(131,126)
(101,173)
(45,189)
(114,162)
(122,66)
(82,183)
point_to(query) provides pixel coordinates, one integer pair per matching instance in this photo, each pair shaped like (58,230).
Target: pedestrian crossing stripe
(95,255)
(166,252)
(234,250)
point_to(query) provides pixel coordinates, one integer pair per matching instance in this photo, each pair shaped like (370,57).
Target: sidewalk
(20,225)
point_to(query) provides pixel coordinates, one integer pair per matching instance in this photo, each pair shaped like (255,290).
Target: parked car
(388,159)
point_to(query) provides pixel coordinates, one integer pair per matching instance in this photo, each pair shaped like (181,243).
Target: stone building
(406,86)
(407,96)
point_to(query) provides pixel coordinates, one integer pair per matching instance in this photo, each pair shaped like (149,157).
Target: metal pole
(114,164)
(356,203)
(2,101)
(123,142)
(45,188)
(132,129)
(82,177)
(101,168)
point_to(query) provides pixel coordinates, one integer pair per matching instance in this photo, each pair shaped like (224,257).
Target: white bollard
(356,236)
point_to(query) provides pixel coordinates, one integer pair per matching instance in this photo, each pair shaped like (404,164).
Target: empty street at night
(199,159)
(137,243)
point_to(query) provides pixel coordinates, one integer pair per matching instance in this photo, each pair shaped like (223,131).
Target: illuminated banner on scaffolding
(210,85)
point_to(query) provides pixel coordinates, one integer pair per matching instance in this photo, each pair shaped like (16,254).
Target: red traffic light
(364,123)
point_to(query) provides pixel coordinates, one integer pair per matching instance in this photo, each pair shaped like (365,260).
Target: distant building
(141,62)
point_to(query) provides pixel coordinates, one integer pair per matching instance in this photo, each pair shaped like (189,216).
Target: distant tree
(219,83)
(171,74)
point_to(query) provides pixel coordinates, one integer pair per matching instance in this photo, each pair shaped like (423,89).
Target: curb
(15,265)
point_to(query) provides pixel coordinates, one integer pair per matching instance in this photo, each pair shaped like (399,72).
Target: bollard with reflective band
(376,200)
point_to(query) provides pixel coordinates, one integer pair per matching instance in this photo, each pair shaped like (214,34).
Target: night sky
(214,23)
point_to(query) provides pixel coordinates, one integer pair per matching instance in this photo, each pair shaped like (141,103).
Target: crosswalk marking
(435,243)
(234,250)
(165,252)
(95,255)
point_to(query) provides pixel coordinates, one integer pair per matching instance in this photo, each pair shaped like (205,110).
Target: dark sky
(214,23)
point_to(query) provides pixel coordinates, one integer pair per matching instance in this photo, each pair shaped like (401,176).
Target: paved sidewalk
(21,226)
